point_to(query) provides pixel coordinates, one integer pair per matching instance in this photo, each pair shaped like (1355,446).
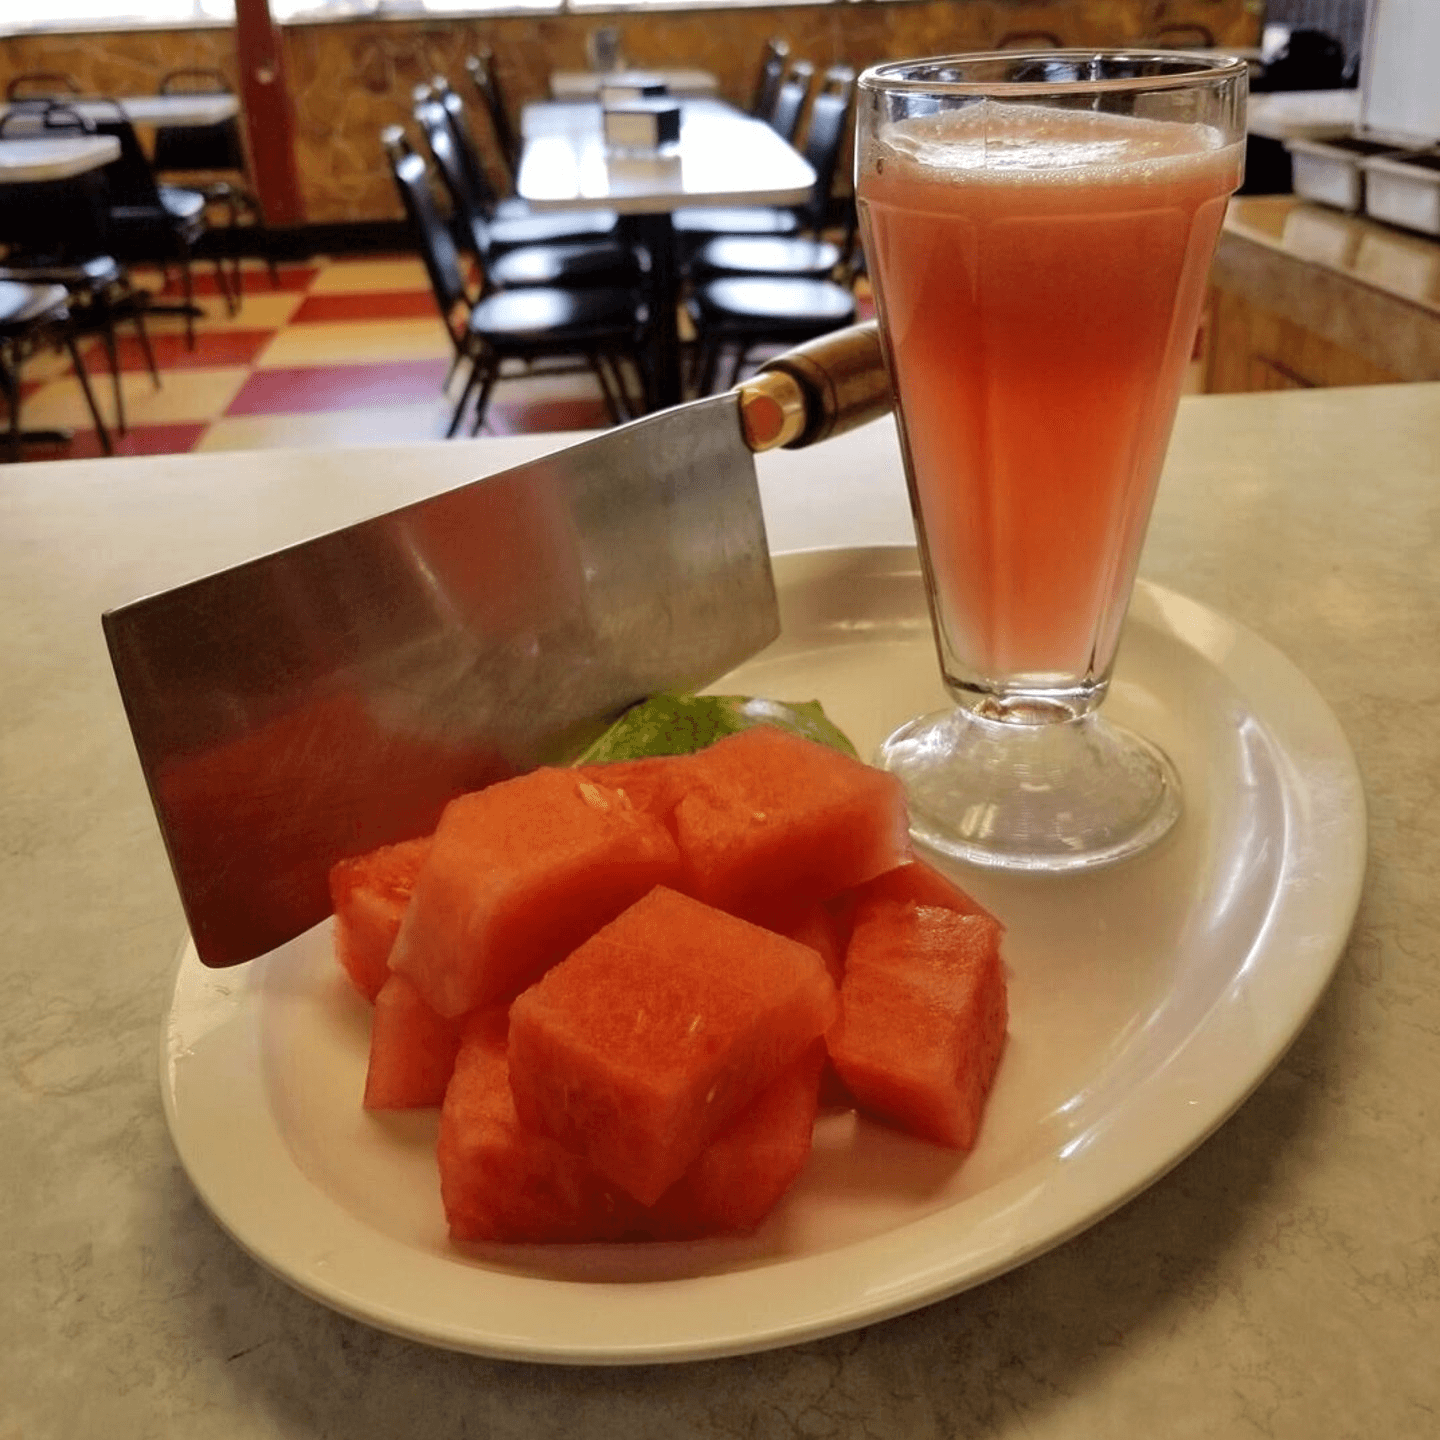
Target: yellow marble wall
(126,62)
(352,78)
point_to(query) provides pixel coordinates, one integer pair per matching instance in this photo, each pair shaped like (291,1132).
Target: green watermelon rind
(672,723)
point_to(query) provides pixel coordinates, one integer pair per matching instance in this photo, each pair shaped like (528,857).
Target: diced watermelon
(814,925)
(922,1018)
(412,1050)
(744,1171)
(501,1181)
(922,884)
(642,1044)
(653,784)
(768,819)
(519,874)
(369,894)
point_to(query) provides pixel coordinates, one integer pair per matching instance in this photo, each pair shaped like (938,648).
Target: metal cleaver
(331,697)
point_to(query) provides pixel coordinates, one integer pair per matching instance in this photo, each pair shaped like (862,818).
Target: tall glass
(1038,230)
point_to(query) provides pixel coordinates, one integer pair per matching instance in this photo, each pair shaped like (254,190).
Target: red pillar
(269,112)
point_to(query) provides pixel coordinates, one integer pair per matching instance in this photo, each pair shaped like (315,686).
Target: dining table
(723,157)
(180,108)
(42,159)
(1243,1238)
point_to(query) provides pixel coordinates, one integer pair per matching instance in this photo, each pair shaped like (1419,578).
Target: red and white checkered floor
(347,351)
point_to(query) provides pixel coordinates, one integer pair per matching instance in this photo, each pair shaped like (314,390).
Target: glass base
(1068,795)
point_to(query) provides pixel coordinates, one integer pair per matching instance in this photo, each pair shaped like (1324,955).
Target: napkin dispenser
(645,124)
(622,86)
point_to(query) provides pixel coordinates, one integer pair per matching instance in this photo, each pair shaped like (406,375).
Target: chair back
(53,220)
(459,120)
(482,72)
(829,125)
(767,82)
(790,102)
(437,246)
(198,147)
(467,208)
(129,179)
(1029,40)
(41,85)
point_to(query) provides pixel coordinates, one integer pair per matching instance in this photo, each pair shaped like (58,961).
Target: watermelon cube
(740,1176)
(641,1045)
(412,1050)
(369,895)
(518,875)
(501,1181)
(653,784)
(814,925)
(922,1018)
(922,884)
(769,820)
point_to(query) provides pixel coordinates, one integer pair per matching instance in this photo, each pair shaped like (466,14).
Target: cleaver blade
(331,697)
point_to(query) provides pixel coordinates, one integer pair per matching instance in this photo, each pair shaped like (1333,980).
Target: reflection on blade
(331,697)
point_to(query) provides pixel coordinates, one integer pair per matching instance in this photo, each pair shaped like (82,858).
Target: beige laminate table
(1280,1282)
(723,158)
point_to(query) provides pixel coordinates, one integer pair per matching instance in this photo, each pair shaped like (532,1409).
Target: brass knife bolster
(817,390)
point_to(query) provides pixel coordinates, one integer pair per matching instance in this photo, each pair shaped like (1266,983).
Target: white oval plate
(1147,1001)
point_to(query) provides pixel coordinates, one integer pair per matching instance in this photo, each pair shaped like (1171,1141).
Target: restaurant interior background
(1300,297)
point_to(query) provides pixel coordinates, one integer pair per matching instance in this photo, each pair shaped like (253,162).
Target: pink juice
(1039,274)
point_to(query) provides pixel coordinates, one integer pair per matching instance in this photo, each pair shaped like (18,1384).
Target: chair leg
(84,379)
(144,335)
(223,281)
(482,400)
(707,358)
(741,351)
(237,273)
(187,281)
(471,381)
(10,380)
(607,389)
(112,354)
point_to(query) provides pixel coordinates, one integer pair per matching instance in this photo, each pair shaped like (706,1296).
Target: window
(22,16)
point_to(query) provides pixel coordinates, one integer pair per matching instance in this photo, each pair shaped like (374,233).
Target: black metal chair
(150,222)
(528,325)
(31,315)
(805,256)
(41,85)
(586,238)
(212,159)
(824,139)
(789,106)
(494,205)
(773,60)
(55,233)
(481,69)
(99,296)
(746,312)
(1029,40)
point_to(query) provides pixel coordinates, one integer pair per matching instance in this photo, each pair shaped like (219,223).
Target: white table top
(1280,1281)
(159,109)
(585,84)
(58,158)
(723,158)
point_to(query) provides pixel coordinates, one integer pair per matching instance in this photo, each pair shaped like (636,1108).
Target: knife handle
(822,388)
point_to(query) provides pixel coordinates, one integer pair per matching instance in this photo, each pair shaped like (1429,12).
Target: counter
(1281,1281)
(1306,295)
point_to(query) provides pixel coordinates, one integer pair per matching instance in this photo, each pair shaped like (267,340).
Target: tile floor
(342,351)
